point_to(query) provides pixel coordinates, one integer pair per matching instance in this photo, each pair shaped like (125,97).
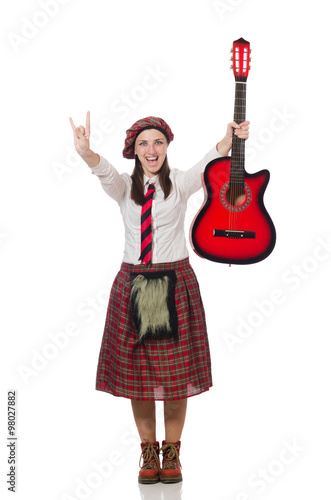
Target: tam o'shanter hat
(138,127)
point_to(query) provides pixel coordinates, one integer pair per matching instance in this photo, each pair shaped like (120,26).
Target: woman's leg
(144,415)
(174,419)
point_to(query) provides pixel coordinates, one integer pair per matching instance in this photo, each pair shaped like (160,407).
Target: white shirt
(168,215)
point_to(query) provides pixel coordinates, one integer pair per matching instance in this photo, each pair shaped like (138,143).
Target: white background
(263,430)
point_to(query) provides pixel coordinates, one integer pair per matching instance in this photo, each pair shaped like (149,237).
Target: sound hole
(235,196)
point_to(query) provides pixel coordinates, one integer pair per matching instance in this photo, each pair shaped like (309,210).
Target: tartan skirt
(160,369)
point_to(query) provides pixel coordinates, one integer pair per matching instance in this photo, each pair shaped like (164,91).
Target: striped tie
(146,226)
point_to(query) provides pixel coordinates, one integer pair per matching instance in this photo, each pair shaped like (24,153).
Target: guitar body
(241,233)
(233,226)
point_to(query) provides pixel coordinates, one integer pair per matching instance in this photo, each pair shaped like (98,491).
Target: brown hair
(137,187)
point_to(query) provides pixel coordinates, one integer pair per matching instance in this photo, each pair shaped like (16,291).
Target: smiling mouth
(152,161)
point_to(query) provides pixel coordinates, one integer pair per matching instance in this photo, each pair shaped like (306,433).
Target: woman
(155,344)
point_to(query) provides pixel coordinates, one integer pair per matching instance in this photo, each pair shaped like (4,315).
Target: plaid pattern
(159,369)
(139,126)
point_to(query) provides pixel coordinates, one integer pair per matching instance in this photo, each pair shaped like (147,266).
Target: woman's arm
(92,159)
(112,182)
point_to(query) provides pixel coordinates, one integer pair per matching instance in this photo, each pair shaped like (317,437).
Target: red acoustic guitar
(233,225)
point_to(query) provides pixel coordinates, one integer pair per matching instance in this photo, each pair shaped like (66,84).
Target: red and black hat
(138,127)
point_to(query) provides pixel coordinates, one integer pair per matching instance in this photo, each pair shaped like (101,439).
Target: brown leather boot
(171,466)
(150,470)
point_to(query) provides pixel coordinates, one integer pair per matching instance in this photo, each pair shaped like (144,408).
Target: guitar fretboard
(237,172)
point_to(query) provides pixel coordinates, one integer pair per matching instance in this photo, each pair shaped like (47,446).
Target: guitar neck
(237,171)
(240,102)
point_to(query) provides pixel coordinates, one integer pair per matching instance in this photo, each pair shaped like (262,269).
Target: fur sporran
(153,304)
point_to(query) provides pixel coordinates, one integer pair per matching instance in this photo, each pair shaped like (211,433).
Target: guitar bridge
(231,233)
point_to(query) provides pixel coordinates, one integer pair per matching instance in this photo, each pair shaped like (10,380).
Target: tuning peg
(231,51)
(250,51)
(250,66)
(231,58)
(231,67)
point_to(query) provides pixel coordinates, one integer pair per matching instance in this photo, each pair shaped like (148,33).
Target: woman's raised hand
(82,142)
(241,131)
(82,136)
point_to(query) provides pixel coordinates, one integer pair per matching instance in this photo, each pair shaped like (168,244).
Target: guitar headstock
(241,59)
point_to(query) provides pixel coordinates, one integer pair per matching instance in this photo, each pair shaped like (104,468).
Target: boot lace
(170,456)
(149,456)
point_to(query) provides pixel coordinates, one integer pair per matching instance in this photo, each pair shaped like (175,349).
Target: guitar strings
(232,184)
(241,144)
(237,185)
(234,187)
(237,164)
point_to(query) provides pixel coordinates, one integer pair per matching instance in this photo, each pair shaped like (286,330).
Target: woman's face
(151,148)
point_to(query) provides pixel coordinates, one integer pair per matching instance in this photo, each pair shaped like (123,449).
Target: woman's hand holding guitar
(241,131)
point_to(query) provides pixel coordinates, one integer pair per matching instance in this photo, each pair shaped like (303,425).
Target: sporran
(153,305)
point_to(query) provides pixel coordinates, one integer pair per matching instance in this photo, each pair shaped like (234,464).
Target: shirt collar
(151,180)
